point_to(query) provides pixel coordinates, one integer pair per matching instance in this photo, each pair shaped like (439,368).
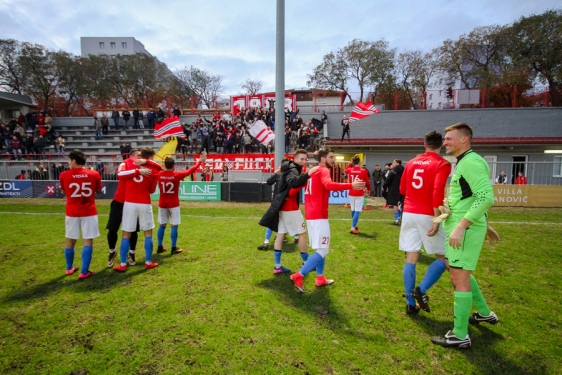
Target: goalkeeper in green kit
(470,197)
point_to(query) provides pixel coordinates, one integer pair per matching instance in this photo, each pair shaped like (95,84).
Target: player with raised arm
(116,212)
(169,203)
(356,197)
(423,186)
(316,197)
(140,183)
(80,186)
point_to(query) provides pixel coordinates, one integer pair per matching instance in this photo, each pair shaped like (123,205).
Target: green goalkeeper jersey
(471,193)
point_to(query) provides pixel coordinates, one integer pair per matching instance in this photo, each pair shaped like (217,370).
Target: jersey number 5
(418,179)
(81,190)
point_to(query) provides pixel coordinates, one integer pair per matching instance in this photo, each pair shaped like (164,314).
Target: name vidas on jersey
(80,176)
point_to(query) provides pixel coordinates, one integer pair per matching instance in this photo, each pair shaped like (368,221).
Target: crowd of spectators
(230,134)
(29,135)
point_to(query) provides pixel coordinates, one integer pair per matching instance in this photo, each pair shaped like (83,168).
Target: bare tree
(251,87)
(11,77)
(200,83)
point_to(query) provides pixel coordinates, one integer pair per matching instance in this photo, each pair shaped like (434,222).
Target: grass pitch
(217,308)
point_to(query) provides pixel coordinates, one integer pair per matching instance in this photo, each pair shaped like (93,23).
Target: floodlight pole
(280,84)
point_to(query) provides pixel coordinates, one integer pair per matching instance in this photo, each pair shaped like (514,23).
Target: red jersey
(138,188)
(358,173)
(317,193)
(169,183)
(80,186)
(291,203)
(423,183)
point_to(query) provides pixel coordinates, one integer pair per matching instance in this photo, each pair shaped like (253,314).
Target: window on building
(112,45)
(440,92)
(112,56)
(102,45)
(557,170)
(430,96)
(124,45)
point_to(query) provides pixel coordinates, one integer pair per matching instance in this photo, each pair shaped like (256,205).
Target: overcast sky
(236,38)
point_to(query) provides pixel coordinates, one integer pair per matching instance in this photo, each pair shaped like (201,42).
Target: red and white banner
(262,162)
(169,127)
(239,101)
(261,132)
(255,101)
(361,111)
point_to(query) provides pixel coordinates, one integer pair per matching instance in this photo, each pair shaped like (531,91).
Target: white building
(112,46)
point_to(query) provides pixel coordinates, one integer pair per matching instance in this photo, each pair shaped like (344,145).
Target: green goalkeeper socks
(463,306)
(478,298)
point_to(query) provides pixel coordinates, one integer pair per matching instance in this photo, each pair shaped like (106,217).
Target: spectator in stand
(160,115)
(176,112)
(136,118)
(21,119)
(377,180)
(104,125)
(20,176)
(141,120)
(392,184)
(126,116)
(345,130)
(39,145)
(502,178)
(60,144)
(520,179)
(40,172)
(57,169)
(151,117)
(224,173)
(28,144)
(207,174)
(15,147)
(115,117)
(41,119)
(323,121)
(125,150)
(98,129)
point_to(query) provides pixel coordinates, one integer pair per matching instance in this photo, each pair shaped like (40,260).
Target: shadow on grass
(102,280)
(315,302)
(482,353)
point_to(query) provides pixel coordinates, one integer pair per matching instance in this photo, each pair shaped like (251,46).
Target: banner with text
(16,189)
(195,191)
(527,196)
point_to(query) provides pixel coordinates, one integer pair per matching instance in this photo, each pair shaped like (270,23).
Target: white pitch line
(257,218)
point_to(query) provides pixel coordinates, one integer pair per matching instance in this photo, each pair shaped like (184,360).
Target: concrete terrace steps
(83,138)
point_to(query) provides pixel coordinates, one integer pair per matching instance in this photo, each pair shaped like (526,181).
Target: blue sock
(409,275)
(268,233)
(396,216)
(433,273)
(399,213)
(352,213)
(148,249)
(355,219)
(320,267)
(86,259)
(160,234)
(304,256)
(277,256)
(174,236)
(69,257)
(311,263)
(123,250)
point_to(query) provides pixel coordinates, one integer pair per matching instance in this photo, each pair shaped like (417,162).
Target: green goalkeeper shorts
(466,257)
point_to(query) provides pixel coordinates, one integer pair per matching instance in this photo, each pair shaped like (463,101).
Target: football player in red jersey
(116,211)
(356,197)
(169,203)
(423,186)
(138,186)
(80,186)
(316,196)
